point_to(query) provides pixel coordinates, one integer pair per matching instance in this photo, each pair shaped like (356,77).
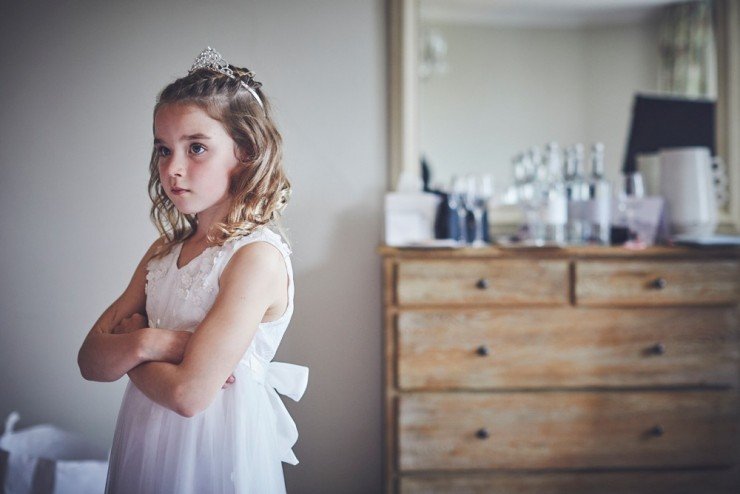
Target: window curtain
(688,58)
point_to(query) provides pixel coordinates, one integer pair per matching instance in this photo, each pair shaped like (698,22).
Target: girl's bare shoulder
(259,259)
(158,249)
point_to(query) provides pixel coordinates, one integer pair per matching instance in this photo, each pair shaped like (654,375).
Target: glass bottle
(577,193)
(598,212)
(554,205)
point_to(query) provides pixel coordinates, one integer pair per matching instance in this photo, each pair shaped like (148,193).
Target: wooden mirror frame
(404,88)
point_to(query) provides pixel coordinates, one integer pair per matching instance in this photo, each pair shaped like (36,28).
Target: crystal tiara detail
(211,59)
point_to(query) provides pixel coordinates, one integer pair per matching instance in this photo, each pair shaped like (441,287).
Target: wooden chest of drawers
(579,370)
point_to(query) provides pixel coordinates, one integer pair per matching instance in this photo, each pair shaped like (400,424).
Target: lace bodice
(179,298)
(194,287)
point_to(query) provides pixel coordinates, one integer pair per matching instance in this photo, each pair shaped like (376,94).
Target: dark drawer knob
(482,284)
(482,350)
(656,430)
(657,349)
(482,433)
(659,283)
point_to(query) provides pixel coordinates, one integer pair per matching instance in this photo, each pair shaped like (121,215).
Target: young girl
(204,313)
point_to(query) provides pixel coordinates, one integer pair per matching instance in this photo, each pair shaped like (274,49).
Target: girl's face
(196,158)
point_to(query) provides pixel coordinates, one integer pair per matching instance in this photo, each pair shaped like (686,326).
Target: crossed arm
(107,356)
(180,371)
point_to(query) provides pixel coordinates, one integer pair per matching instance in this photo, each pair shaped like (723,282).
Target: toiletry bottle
(554,210)
(523,193)
(600,195)
(577,192)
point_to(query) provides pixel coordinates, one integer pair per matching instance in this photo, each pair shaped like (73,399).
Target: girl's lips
(177,192)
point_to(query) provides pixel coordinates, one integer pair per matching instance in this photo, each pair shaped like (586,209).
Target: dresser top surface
(570,252)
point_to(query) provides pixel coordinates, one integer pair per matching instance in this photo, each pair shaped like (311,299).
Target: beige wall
(77,88)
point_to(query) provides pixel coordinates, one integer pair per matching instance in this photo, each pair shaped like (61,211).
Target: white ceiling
(541,13)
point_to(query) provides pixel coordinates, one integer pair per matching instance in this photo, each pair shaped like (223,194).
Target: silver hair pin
(211,59)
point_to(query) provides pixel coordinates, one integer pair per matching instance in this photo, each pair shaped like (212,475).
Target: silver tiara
(211,59)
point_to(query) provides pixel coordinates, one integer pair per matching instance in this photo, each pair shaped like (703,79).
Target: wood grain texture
(495,282)
(567,347)
(571,385)
(633,283)
(657,482)
(568,430)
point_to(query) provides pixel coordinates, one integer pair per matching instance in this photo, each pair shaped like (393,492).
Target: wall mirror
(473,82)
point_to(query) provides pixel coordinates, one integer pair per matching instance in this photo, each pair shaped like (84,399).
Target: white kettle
(687,184)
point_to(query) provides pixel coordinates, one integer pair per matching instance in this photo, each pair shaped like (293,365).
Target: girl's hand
(131,324)
(173,344)
(164,345)
(229,382)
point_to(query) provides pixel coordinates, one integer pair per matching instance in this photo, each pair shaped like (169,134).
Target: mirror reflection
(496,78)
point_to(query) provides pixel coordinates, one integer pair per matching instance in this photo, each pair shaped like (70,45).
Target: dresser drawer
(641,283)
(567,347)
(724,481)
(489,282)
(458,431)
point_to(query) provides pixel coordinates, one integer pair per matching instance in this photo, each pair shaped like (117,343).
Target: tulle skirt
(231,447)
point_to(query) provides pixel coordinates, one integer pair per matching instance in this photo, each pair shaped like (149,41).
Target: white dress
(238,443)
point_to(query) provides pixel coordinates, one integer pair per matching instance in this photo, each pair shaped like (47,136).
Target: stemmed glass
(457,202)
(478,191)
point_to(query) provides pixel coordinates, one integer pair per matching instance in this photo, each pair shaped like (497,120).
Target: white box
(409,217)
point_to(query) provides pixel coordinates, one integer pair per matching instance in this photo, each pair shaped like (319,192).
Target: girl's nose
(176,166)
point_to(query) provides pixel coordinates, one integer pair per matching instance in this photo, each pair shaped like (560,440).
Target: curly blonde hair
(259,188)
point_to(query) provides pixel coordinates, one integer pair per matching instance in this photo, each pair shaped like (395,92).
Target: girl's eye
(197,149)
(163,151)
